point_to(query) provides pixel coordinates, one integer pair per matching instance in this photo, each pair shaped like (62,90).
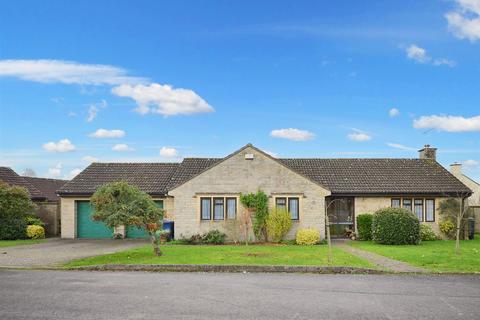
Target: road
(138,295)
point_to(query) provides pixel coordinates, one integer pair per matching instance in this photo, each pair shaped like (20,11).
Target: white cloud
(104,133)
(464,20)
(63,145)
(471,163)
(393,112)
(67,72)
(163,99)
(90,159)
(359,136)
(400,146)
(444,61)
(56,171)
(292,134)
(167,152)
(94,108)
(420,55)
(448,123)
(73,173)
(122,147)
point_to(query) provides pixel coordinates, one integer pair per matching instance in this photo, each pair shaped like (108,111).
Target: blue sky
(166,80)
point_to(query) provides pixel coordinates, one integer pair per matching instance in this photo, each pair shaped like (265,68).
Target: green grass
(11,243)
(437,256)
(229,255)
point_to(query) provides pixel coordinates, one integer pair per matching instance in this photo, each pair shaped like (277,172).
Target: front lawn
(437,256)
(11,243)
(229,255)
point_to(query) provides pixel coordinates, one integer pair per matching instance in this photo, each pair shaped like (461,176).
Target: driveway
(58,251)
(27,294)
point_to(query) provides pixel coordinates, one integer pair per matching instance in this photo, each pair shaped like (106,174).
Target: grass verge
(437,256)
(11,243)
(229,255)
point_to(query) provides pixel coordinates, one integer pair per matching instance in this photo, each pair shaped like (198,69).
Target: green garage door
(86,227)
(140,233)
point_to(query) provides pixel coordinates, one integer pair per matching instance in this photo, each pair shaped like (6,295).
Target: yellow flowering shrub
(35,232)
(307,237)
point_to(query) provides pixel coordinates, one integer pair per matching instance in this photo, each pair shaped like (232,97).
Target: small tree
(119,203)
(15,204)
(454,210)
(257,204)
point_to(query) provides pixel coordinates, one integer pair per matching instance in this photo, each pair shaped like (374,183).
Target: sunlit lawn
(438,256)
(11,243)
(229,255)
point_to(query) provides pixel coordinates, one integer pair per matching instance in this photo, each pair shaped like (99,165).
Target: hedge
(364,226)
(396,226)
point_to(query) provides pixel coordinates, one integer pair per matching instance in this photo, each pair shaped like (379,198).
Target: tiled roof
(10,177)
(152,178)
(340,176)
(378,176)
(189,168)
(48,187)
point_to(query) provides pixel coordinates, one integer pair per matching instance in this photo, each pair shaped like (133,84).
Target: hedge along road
(139,295)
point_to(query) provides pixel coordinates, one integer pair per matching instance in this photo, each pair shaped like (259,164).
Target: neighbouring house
(201,194)
(43,194)
(474,199)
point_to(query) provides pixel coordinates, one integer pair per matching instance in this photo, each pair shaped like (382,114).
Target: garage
(86,227)
(134,232)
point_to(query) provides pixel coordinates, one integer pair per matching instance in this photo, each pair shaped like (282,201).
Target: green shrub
(447,227)
(194,239)
(279,223)
(35,232)
(307,237)
(395,226)
(34,221)
(214,237)
(364,226)
(427,233)
(12,227)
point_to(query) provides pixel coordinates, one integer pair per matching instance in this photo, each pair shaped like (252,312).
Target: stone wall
(237,175)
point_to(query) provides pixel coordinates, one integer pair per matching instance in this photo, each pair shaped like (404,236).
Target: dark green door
(86,227)
(140,233)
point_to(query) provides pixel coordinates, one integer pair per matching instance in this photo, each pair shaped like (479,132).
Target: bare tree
(29,172)
(455,209)
(327,225)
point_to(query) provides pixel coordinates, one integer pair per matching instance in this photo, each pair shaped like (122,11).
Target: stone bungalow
(201,194)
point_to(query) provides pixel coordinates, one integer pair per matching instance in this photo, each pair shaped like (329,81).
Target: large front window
(218,208)
(419,209)
(340,212)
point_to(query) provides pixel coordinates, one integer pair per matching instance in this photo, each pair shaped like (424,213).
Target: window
(293,208)
(289,204)
(206,208)
(281,203)
(218,208)
(407,204)
(395,203)
(231,208)
(419,209)
(429,210)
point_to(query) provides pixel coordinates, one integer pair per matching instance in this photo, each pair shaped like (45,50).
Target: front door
(341,215)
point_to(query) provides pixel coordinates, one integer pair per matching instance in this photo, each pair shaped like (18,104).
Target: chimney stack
(456,169)
(428,153)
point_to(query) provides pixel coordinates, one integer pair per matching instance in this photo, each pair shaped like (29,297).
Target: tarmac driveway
(57,251)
